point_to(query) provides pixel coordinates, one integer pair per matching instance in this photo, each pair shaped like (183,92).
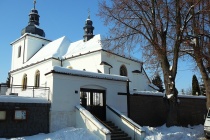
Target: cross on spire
(34,4)
(88,13)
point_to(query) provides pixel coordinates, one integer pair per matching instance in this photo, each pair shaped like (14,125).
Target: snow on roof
(20,99)
(89,74)
(156,93)
(192,96)
(62,48)
(54,49)
(153,93)
(81,47)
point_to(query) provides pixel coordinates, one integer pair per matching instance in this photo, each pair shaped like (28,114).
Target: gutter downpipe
(128,97)
(61,62)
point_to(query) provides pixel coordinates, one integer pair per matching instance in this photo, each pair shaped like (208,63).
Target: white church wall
(89,62)
(17,78)
(33,44)
(142,82)
(17,61)
(65,91)
(29,46)
(138,81)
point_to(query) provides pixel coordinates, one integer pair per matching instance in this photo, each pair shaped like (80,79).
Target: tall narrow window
(24,83)
(37,79)
(19,51)
(123,71)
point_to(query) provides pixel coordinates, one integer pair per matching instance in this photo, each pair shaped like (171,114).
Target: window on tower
(19,51)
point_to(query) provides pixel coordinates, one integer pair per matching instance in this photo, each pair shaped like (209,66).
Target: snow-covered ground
(174,133)
(63,134)
(152,133)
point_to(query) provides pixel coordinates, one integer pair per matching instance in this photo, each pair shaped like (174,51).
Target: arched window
(19,51)
(123,71)
(37,79)
(24,82)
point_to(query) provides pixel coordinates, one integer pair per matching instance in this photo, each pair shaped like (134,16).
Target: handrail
(20,86)
(32,88)
(125,119)
(104,123)
(92,121)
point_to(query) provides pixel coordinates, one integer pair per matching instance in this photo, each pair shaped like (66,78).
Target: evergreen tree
(157,81)
(8,80)
(195,86)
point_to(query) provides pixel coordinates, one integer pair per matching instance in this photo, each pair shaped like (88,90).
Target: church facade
(76,73)
(33,54)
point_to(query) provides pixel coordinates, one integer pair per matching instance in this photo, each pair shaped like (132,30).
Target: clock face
(20,114)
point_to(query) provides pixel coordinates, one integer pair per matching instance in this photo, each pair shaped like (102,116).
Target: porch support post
(128,98)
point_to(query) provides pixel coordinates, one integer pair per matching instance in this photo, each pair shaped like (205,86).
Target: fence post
(33,91)
(48,94)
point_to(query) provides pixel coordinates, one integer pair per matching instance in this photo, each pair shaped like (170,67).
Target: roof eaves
(32,64)
(88,76)
(28,34)
(105,63)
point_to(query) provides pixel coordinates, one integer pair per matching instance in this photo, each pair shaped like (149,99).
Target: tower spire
(34,4)
(88,13)
(88,29)
(33,23)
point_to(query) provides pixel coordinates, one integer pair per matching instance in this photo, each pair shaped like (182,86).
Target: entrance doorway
(94,101)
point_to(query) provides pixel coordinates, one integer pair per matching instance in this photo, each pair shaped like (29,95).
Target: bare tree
(157,27)
(197,39)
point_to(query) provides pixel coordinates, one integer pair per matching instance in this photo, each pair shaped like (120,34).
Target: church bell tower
(88,29)
(31,41)
(33,24)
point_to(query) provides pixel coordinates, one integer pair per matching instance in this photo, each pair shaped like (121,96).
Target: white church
(75,73)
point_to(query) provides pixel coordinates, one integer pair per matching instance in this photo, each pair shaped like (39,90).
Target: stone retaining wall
(151,110)
(36,121)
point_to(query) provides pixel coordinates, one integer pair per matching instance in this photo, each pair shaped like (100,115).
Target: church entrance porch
(94,100)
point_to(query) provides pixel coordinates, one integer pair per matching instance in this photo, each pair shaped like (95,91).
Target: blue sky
(58,18)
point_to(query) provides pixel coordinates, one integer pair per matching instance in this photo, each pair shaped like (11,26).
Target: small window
(20,115)
(24,82)
(37,79)
(123,71)
(2,115)
(19,51)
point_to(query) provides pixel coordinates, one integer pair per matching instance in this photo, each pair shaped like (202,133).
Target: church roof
(61,70)
(55,49)
(81,47)
(63,48)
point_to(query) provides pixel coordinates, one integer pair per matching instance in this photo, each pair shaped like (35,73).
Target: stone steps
(116,133)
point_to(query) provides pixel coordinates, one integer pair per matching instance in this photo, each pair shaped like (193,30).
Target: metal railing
(86,117)
(132,124)
(30,91)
